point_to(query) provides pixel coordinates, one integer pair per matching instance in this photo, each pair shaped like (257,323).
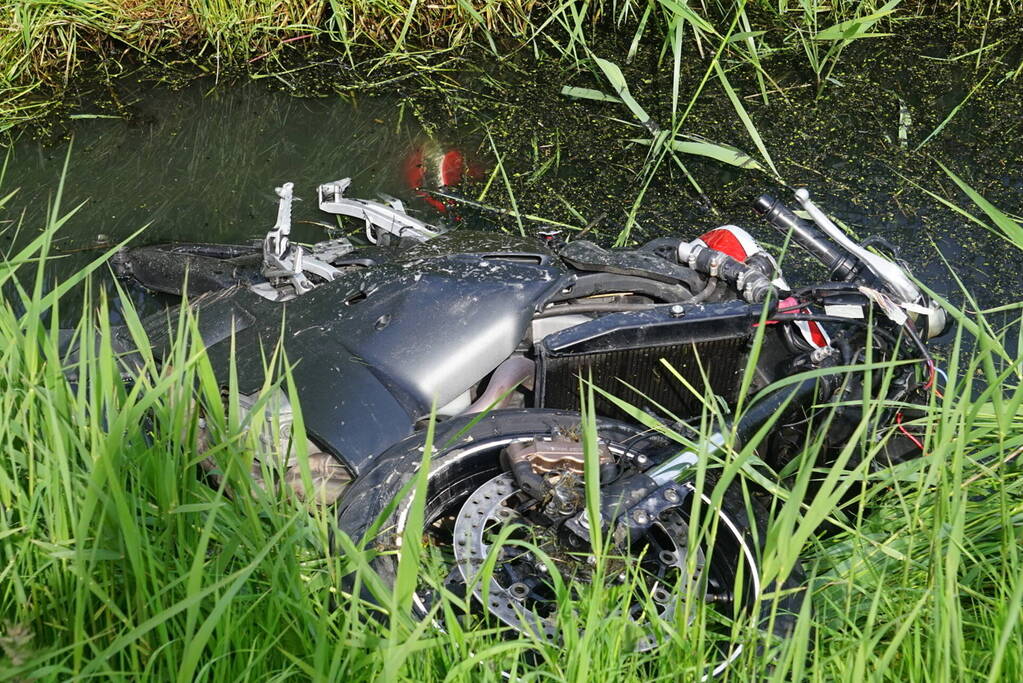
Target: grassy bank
(117,561)
(44,46)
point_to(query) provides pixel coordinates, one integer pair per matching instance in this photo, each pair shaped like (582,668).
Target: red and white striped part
(731,240)
(434,167)
(740,245)
(812,331)
(735,242)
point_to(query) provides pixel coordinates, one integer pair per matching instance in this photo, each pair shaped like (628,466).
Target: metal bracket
(634,522)
(287,261)
(390,219)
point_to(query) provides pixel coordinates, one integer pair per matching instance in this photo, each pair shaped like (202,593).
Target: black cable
(825,286)
(814,317)
(801,305)
(908,325)
(915,336)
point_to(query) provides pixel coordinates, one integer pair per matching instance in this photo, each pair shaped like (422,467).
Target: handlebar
(839,265)
(848,261)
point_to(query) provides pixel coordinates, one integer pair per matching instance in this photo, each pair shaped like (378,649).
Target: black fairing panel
(373,350)
(203,268)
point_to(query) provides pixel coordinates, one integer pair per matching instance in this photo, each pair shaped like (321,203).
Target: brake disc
(484,512)
(496,504)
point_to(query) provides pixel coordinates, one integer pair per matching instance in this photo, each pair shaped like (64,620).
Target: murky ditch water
(201,165)
(194,165)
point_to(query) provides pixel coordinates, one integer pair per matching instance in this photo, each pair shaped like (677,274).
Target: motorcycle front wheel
(470,498)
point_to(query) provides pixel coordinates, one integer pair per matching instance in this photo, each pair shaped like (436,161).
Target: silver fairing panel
(376,350)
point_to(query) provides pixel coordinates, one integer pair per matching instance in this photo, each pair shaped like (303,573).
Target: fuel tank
(376,349)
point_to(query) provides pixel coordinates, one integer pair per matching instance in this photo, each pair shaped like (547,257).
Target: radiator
(625,355)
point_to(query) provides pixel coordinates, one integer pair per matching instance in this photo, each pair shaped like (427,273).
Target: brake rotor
(498,503)
(485,509)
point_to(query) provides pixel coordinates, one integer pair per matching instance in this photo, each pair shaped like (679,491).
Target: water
(193,165)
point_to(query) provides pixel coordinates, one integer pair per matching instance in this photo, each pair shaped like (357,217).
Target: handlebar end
(763,204)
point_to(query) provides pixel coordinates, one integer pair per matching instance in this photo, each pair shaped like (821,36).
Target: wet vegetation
(45,47)
(622,118)
(859,101)
(118,561)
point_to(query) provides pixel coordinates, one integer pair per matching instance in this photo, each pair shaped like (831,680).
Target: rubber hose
(706,292)
(603,283)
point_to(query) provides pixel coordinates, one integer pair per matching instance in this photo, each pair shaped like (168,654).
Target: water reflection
(201,166)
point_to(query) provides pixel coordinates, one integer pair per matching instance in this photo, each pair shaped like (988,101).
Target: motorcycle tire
(466,456)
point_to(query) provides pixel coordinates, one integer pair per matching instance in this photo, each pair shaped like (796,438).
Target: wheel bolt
(671,495)
(640,517)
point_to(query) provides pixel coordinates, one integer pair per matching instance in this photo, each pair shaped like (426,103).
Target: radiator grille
(651,383)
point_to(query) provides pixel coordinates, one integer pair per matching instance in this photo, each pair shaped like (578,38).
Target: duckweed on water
(571,160)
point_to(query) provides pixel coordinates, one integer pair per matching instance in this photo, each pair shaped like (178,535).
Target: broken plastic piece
(282,259)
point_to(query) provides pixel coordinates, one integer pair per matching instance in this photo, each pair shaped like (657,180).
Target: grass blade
(746,120)
(616,78)
(712,150)
(1009,228)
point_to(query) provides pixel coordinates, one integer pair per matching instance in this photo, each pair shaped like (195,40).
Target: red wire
(898,422)
(931,372)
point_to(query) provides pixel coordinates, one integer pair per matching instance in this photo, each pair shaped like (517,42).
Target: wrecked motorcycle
(494,336)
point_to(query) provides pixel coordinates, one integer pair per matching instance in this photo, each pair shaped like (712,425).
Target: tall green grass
(118,562)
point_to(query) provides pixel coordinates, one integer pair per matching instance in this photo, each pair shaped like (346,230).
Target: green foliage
(824,47)
(661,140)
(1009,228)
(43,43)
